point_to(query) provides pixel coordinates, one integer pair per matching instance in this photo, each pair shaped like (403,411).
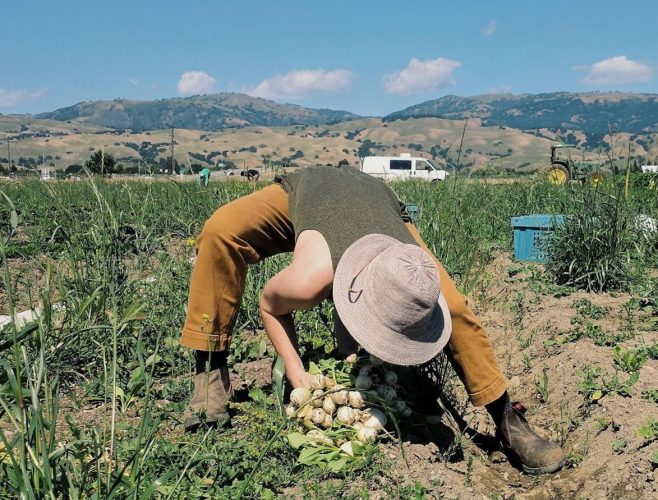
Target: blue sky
(368,57)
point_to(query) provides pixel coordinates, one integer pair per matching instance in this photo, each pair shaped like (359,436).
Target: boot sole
(535,471)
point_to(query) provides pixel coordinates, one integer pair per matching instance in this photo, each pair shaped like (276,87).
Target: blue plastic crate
(529,231)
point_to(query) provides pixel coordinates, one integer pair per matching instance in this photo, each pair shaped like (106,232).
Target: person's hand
(299,378)
(351,358)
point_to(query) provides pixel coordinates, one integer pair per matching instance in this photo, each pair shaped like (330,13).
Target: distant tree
(73,169)
(130,169)
(101,163)
(438,151)
(571,138)
(365,149)
(343,162)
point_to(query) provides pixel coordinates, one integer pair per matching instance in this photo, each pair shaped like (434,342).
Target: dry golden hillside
(63,143)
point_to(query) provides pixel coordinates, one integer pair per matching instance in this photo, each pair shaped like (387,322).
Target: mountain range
(206,112)
(594,113)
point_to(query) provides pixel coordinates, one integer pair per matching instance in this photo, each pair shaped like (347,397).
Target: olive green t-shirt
(343,204)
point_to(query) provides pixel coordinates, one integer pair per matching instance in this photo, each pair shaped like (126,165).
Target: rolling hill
(593,113)
(205,112)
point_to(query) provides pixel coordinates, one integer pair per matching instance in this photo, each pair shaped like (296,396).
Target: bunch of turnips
(353,404)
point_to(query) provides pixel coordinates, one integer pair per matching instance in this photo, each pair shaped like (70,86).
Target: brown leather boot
(536,454)
(209,404)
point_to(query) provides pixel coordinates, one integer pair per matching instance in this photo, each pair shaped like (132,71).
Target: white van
(404,166)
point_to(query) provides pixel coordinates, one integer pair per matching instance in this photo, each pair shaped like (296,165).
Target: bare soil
(597,471)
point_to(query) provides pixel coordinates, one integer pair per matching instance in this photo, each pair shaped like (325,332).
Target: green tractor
(564,168)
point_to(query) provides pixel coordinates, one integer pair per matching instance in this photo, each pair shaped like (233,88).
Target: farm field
(94,386)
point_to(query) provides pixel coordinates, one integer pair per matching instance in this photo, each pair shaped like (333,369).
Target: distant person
(251,174)
(204,177)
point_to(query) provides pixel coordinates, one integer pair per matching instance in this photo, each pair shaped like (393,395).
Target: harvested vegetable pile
(346,409)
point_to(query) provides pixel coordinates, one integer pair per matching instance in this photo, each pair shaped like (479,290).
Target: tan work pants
(257,226)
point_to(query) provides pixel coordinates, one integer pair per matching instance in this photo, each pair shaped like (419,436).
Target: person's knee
(225,228)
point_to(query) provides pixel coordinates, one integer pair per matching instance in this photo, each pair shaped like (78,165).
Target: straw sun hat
(388,296)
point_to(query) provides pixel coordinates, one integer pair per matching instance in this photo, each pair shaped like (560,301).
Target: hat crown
(387,295)
(403,288)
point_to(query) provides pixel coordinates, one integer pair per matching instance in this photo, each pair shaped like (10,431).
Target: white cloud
(618,70)
(196,82)
(298,84)
(490,28)
(133,81)
(422,75)
(9,98)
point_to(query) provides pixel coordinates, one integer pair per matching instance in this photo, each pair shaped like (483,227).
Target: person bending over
(251,174)
(350,243)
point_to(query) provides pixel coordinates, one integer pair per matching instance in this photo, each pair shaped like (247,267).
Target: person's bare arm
(302,285)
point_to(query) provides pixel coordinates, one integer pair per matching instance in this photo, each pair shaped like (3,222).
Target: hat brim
(367,328)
